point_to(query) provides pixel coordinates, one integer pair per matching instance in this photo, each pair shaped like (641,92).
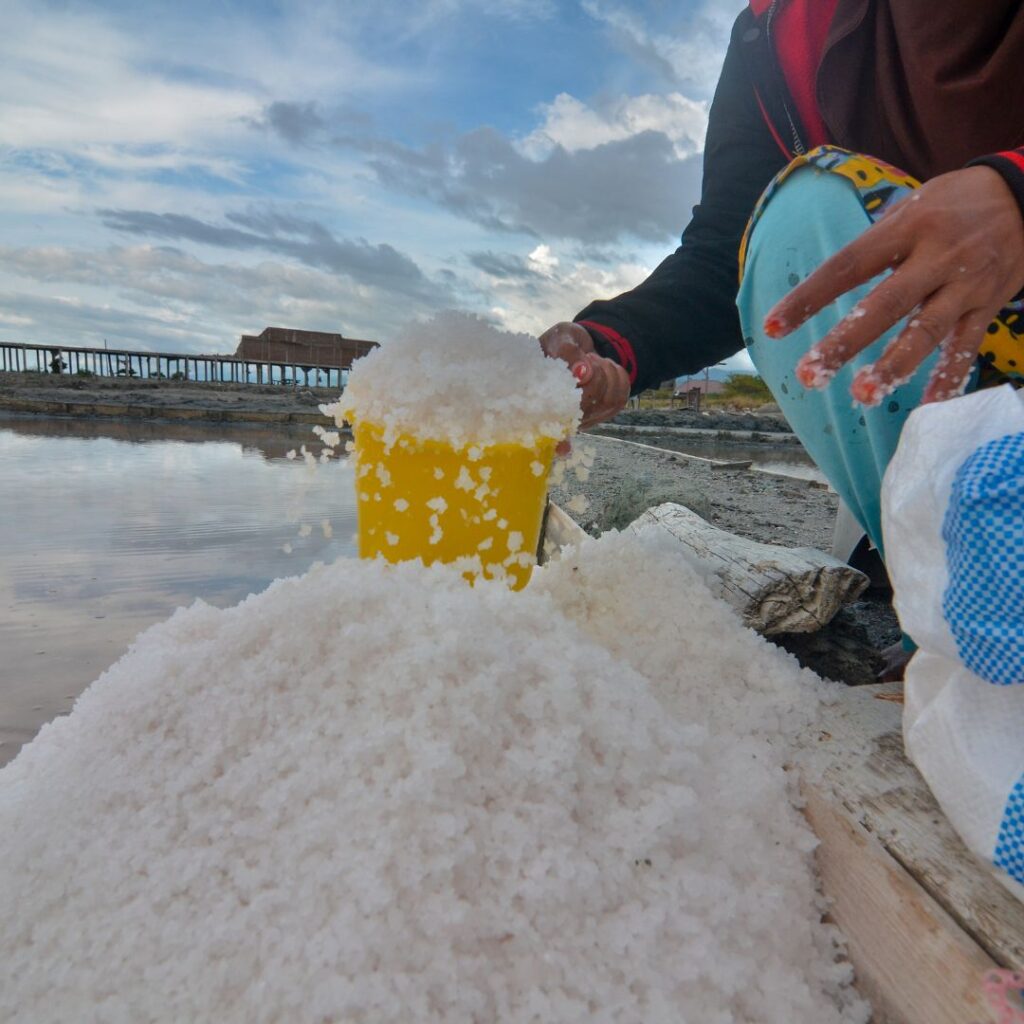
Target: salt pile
(430,379)
(374,794)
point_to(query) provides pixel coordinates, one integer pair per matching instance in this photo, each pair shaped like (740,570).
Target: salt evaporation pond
(106,527)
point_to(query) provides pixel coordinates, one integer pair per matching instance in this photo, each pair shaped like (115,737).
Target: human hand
(956,249)
(603,383)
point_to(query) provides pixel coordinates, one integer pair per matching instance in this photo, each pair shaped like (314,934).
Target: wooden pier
(102,362)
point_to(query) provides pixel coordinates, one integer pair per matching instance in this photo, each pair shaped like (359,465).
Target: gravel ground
(626,479)
(767,422)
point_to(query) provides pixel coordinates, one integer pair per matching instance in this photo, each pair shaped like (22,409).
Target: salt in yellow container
(480,506)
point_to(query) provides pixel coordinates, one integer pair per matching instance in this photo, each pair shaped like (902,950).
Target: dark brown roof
(291,345)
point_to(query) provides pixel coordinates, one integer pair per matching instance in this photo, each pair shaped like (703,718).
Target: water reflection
(107,527)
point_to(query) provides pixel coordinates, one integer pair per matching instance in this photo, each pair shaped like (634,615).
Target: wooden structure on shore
(287,369)
(289,346)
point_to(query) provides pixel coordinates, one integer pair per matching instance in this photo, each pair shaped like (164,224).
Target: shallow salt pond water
(107,527)
(782,459)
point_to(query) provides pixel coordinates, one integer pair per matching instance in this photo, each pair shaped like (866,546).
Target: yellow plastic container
(425,499)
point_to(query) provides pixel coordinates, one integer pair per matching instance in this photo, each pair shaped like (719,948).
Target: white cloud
(81,83)
(574,125)
(70,80)
(542,261)
(632,187)
(150,296)
(549,284)
(688,53)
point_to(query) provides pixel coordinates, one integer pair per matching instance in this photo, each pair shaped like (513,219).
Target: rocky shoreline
(126,397)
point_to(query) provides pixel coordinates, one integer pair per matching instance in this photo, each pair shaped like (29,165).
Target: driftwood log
(774,589)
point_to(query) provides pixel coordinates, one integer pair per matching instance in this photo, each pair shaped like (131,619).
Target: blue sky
(173,175)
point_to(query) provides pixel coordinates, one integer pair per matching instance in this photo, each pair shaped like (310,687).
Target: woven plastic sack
(953,521)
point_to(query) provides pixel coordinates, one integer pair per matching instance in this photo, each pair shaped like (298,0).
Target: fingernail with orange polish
(812,372)
(775,326)
(581,371)
(867,388)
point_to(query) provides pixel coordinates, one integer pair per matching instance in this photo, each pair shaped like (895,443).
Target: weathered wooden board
(913,962)
(856,764)
(774,589)
(559,530)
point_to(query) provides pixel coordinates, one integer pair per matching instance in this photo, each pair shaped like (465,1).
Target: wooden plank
(912,961)
(857,760)
(559,530)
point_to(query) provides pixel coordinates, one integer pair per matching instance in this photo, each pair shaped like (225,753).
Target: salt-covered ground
(375,794)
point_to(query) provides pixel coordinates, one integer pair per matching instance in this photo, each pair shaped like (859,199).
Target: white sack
(953,521)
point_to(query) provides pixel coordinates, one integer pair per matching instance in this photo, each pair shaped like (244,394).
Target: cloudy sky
(175,174)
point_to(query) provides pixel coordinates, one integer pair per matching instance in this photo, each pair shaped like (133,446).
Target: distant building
(302,348)
(700,385)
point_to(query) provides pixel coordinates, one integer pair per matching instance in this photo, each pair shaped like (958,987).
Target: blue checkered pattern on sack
(1009,853)
(984,534)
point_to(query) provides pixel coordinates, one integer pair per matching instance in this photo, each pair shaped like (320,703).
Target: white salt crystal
(305,530)
(391,538)
(331,438)
(401,504)
(515,540)
(437,504)
(438,473)
(464,482)
(578,504)
(457,379)
(326,528)
(286,548)
(433,803)
(537,468)
(291,454)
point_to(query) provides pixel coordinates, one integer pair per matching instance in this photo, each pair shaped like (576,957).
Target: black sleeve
(683,317)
